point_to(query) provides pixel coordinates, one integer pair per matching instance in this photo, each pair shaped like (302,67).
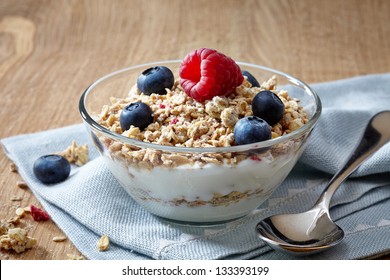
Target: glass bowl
(197,188)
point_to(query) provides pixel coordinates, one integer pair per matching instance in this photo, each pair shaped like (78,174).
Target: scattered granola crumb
(76,154)
(13,221)
(13,167)
(3,227)
(20,212)
(16,198)
(4,257)
(39,214)
(59,238)
(16,239)
(103,243)
(75,257)
(22,184)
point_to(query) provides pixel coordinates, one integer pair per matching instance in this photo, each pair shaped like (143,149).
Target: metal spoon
(314,231)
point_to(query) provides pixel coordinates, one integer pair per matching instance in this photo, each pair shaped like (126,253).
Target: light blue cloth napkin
(91,202)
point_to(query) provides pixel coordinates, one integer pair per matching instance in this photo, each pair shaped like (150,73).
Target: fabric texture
(91,202)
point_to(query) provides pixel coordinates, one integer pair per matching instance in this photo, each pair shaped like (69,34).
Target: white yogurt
(162,190)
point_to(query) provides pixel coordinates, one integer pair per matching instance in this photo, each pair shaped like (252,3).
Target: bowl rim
(88,119)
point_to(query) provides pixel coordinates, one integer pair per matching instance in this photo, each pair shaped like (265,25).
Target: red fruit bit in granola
(174,121)
(162,106)
(38,214)
(256,158)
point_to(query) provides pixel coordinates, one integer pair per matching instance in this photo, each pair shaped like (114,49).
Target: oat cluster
(76,154)
(181,121)
(15,238)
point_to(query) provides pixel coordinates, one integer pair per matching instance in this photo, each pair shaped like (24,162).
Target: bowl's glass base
(216,224)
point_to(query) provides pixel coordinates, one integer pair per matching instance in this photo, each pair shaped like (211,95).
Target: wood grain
(50,51)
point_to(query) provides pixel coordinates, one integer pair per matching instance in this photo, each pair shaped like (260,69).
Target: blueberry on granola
(268,106)
(155,80)
(138,114)
(251,129)
(51,169)
(250,78)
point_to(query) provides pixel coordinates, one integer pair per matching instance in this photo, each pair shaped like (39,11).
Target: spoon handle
(376,135)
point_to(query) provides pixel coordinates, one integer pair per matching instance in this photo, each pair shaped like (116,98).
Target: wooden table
(50,51)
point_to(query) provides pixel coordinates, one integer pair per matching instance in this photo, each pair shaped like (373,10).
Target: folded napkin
(91,203)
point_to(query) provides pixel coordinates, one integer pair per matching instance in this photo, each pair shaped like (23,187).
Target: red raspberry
(205,73)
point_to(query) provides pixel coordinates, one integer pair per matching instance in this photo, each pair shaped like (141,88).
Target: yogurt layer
(206,193)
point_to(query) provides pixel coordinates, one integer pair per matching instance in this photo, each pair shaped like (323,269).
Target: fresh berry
(250,78)
(137,114)
(155,80)
(268,106)
(38,214)
(205,73)
(51,169)
(251,130)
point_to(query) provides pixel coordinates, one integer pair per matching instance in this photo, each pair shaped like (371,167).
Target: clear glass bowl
(200,192)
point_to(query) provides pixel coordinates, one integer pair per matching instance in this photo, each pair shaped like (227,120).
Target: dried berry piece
(39,214)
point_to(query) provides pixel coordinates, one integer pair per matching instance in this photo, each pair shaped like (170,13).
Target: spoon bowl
(314,231)
(300,234)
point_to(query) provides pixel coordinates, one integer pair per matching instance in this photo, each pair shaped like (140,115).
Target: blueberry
(138,114)
(251,79)
(51,169)
(155,80)
(268,106)
(251,130)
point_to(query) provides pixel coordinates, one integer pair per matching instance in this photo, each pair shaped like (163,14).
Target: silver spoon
(314,231)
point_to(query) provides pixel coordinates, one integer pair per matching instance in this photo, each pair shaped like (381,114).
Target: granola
(103,243)
(181,121)
(22,184)
(16,198)
(13,167)
(15,239)
(20,212)
(75,257)
(76,154)
(59,238)
(219,199)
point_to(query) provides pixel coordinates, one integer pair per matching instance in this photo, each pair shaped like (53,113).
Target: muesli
(200,186)
(181,121)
